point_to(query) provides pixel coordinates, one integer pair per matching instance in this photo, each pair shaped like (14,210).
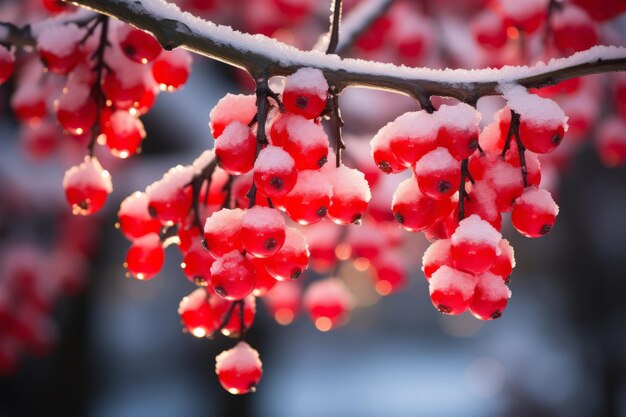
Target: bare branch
(263,56)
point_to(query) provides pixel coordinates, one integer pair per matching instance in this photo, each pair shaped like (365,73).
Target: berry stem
(98,95)
(465,174)
(338,121)
(226,318)
(335,23)
(242,324)
(521,149)
(196,187)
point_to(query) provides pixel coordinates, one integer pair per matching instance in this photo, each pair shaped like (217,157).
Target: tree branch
(263,56)
(335,24)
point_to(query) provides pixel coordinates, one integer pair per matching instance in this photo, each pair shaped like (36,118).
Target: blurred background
(108,346)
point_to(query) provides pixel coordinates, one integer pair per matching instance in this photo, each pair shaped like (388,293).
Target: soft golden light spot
(198,332)
(323,324)
(123,154)
(183,265)
(133,111)
(117,225)
(343,251)
(108,103)
(383,287)
(79,131)
(101,139)
(512,32)
(144,61)
(162,87)
(226,332)
(233,390)
(361,264)
(34,122)
(284,316)
(65,90)
(140,276)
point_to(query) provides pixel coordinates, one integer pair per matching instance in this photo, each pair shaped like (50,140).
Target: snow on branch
(265,57)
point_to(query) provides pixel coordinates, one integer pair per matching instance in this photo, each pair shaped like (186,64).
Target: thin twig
(335,24)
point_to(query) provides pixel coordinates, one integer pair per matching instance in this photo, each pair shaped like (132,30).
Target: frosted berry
(438,174)
(291,260)
(138,45)
(29,103)
(235,150)
(76,110)
(459,129)
(411,136)
(124,87)
(573,30)
(233,276)
(327,302)
(303,139)
(87,187)
(451,290)
(222,231)
(389,273)
(505,261)
(264,281)
(350,195)
(309,200)
(262,231)
(58,47)
(488,29)
(239,369)
(197,263)
(283,301)
(170,197)
(275,172)
(491,296)
(145,257)
(611,142)
(534,213)
(124,133)
(232,107)
(435,256)
(382,155)
(171,70)
(197,314)
(306,91)
(415,211)
(232,328)
(134,219)
(474,245)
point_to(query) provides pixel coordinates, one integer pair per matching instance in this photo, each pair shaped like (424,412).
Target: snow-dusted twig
(262,57)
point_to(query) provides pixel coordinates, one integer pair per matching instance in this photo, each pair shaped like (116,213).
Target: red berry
(303,139)
(235,150)
(410,136)
(124,86)
(474,245)
(382,155)
(55,6)
(309,200)
(389,273)
(611,142)
(350,195)
(437,255)
(138,45)
(29,103)
(306,91)
(87,186)
(283,301)
(233,326)
(506,181)
(145,257)
(415,211)
(505,261)
(124,133)
(438,174)
(534,213)
(222,232)
(76,110)
(58,47)
(172,69)
(233,276)
(327,302)
(197,314)
(262,231)
(451,290)
(291,260)
(490,297)
(264,281)
(7,63)
(197,263)
(459,129)
(232,107)
(134,219)
(573,30)
(40,141)
(239,369)
(527,16)
(488,29)
(275,172)
(170,197)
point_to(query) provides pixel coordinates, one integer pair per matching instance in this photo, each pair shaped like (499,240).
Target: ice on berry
(60,40)
(310,80)
(222,222)
(492,287)
(242,357)
(540,199)
(459,117)
(273,159)
(534,109)
(435,161)
(447,279)
(176,178)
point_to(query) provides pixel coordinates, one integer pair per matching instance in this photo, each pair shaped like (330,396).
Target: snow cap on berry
(223,220)
(60,40)
(475,229)
(259,217)
(308,79)
(533,109)
(173,180)
(348,183)
(242,357)
(231,107)
(274,159)
(447,278)
(88,173)
(459,117)
(492,287)
(435,161)
(540,198)
(192,301)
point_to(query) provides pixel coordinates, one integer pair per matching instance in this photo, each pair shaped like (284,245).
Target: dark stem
(196,187)
(465,174)
(335,23)
(521,149)
(242,324)
(98,95)
(553,5)
(228,189)
(225,318)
